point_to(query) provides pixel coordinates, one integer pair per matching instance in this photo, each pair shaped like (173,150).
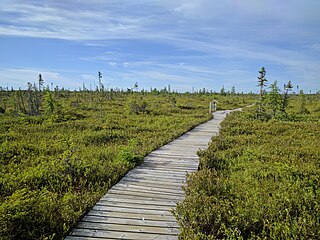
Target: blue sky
(185,43)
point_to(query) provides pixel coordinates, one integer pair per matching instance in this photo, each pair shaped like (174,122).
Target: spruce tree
(274,98)
(285,99)
(262,82)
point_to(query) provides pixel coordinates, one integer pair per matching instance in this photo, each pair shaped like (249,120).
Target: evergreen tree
(285,100)
(100,80)
(274,98)
(262,81)
(30,99)
(233,90)
(41,82)
(302,108)
(223,91)
(49,103)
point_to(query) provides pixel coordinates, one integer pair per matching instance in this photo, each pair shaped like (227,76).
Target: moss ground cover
(56,164)
(258,179)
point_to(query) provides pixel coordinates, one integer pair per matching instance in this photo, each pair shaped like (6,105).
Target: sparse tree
(285,99)
(223,91)
(21,102)
(37,99)
(274,98)
(262,81)
(100,80)
(30,99)
(49,103)
(136,87)
(233,90)
(303,101)
(41,82)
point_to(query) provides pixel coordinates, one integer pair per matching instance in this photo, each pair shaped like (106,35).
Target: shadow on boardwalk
(139,206)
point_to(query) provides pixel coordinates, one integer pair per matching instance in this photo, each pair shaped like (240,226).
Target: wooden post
(213,106)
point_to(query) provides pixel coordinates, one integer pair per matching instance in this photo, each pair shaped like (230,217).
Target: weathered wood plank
(118,190)
(163,156)
(157,178)
(139,201)
(132,222)
(133,205)
(146,187)
(171,161)
(132,210)
(138,216)
(165,182)
(119,235)
(140,196)
(146,195)
(152,171)
(128,228)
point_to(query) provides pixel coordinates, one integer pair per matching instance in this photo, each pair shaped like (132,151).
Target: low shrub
(257,180)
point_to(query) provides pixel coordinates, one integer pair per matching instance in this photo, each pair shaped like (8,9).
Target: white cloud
(19,77)
(88,77)
(112,64)
(315,46)
(266,32)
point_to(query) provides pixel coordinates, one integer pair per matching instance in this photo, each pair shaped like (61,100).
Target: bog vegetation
(60,151)
(260,178)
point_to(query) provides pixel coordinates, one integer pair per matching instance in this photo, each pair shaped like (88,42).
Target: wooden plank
(127,228)
(172,165)
(132,210)
(120,235)
(131,191)
(146,187)
(170,160)
(157,177)
(146,195)
(132,222)
(169,165)
(135,215)
(156,154)
(139,201)
(152,171)
(164,182)
(166,166)
(133,205)
(169,154)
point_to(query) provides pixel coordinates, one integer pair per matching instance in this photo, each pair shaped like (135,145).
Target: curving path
(139,206)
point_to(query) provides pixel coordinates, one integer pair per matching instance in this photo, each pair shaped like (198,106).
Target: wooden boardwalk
(139,206)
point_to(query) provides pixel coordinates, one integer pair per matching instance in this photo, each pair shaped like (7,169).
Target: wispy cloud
(19,77)
(213,39)
(315,46)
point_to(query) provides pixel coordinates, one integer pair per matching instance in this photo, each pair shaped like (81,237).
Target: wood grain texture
(140,205)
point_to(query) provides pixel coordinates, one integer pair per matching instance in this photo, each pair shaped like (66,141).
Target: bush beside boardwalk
(258,179)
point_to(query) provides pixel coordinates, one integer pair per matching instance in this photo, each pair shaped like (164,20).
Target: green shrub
(257,180)
(54,167)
